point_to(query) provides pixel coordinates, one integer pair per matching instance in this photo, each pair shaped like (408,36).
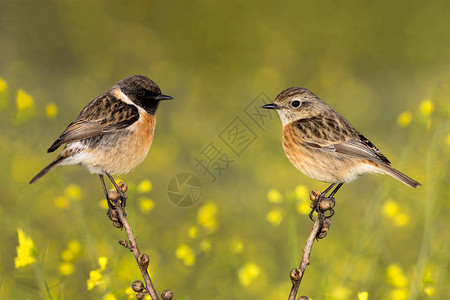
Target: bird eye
(141,93)
(295,103)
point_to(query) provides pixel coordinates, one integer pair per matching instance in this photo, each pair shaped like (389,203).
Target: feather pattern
(102,115)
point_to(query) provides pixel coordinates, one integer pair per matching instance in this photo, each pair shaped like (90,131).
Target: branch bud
(123,187)
(295,274)
(137,286)
(140,295)
(117,224)
(144,260)
(167,295)
(322,235)
(314,195)
(113,195)
(324,205)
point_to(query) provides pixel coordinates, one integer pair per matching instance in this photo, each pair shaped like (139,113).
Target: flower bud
(325,205)
(113,196)
(137,286)
(144,260)
(123,187)
(167,295)
(295,274)
(322,235)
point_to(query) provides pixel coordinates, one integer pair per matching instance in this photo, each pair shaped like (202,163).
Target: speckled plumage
(323,145)
(114,132)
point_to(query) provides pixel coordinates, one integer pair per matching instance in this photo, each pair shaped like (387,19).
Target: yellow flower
(237,246)
(396,277)
(73,191)
(144,186)
(66,268)
(24,101)
(72,251)
(205,246)
(303,208)
(102,261)
(95,278)
(109,296)
(399,294)
(24,105)
(302,193)
(426,107)
(275,217)
(429,291)
(26,251)
(186,254)
(404,119)
(62,202)
(75,246)
(51,110)
(363,296)
(274,196)
(206,216)
(248,273)
(390,208)
(193,232)
(401,219)
(146,205)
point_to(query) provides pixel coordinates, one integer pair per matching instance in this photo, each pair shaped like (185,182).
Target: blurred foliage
(384,65)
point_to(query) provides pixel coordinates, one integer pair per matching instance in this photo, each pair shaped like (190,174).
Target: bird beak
(271,106)
(163,97)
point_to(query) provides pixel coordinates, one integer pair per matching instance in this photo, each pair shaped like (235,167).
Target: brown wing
(102,115)
(337,135)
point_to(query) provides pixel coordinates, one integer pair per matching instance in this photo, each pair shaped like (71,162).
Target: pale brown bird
(323,145)
(113,133)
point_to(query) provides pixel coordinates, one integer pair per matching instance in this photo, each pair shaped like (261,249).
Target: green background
(370,60)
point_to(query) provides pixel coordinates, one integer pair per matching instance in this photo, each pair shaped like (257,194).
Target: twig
(119,218)
(319,231)
(297,274)
(142,260)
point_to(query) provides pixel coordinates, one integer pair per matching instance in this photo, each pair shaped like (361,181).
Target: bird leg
(324,203)
(123,198)
(111,206)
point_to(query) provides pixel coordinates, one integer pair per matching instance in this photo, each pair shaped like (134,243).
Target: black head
(144,92)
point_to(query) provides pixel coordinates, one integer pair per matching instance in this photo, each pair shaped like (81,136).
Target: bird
(113,133)
(323,145)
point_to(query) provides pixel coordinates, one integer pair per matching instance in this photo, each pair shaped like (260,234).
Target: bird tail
(399,176)
(53,164)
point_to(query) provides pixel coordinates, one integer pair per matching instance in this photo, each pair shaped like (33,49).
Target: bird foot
(321,204)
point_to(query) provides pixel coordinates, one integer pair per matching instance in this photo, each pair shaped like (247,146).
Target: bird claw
(317,208)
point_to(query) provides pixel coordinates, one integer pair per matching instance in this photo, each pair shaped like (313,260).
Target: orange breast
(123,151)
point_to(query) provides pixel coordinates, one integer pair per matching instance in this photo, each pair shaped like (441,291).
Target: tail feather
(400,176)
(46,169)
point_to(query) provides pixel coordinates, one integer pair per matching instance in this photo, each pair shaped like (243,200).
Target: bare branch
(119,218)
(319,231)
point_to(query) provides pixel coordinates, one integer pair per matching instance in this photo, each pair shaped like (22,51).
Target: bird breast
(122,151)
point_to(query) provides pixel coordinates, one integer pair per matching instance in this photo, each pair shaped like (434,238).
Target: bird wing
(102,115)
(338,135)
(355,148)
